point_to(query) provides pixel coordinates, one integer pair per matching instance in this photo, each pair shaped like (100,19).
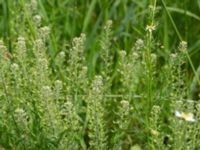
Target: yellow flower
(150,28)
(186,116)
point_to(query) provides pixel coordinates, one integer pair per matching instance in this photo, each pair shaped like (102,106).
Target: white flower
(14,67)
(186,116)
(19,111)
(150,28)
(139,44)
(62,55)
(183,46)
(58,85)
(122,53)
(37,19)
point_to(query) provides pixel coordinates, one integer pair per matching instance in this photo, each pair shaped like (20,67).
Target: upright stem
(149,65)
(149,83)
(6,15)
(149,73)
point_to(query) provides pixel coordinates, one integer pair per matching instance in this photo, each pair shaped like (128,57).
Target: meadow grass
(99,74)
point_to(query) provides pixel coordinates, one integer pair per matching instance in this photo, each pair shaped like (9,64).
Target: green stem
(149,84)
(172,21)
(6,15)
(149,75)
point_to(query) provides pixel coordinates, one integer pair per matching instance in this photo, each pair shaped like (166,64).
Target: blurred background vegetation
(69,18)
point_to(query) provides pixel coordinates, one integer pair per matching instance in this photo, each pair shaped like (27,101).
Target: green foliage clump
(98,75)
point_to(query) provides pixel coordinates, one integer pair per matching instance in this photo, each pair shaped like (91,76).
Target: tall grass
(99,74)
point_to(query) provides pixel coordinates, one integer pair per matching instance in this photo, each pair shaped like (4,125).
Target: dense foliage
(99,74)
